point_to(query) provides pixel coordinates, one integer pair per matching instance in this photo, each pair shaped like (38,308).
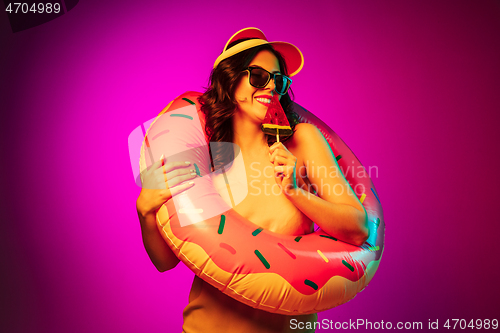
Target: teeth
(264,100)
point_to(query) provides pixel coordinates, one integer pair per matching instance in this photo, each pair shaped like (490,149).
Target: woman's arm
(158,251)
(155,192)
(342,221)
(336,210)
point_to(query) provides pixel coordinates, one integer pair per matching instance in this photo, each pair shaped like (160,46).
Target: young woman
(282,175)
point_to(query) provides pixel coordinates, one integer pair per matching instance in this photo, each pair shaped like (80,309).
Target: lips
(264,99)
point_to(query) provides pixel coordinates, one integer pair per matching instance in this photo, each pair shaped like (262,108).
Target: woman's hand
(284,167)
(155,190)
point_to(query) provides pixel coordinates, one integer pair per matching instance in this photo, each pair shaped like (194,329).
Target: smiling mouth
(265,101)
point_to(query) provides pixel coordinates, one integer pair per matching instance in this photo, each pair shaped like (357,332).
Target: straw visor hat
(293,57)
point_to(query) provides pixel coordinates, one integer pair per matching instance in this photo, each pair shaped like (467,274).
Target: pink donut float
(268,271)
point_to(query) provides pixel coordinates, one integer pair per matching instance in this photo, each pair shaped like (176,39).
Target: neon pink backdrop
(411,86)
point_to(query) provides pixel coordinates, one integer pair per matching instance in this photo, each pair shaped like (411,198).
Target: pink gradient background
(413,87)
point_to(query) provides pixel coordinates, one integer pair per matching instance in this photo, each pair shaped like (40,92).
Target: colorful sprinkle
(228,247)
(346,264)
(297,239)
(197,170)
(189,101)
(311,284)
(329,237)
(374,248)
(160,134)
(322,256)
(287,251)
(375,194)
(377,221)
(181,115)
(262,259)
(363,196)
(221,224)
(338,157)
(257,231)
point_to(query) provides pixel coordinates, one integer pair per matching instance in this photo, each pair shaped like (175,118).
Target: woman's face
(253,102)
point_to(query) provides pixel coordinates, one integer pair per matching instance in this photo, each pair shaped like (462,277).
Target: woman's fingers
(281,160)
(163,180)
(174,190)
(284,170)
(156,176)
(277,146)
(284,166)
(279,153)
(175,165)
(148,176)
(180,177)
(179,172)
(161,175)
(276,153)
(156,165)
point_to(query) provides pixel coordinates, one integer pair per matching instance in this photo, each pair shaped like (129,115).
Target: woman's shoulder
(309,144)
(305,129)
(305,135)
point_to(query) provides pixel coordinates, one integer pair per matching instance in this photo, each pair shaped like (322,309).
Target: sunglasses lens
(281,84)
(259,78)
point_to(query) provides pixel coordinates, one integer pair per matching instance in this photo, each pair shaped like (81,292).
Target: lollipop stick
(277,135)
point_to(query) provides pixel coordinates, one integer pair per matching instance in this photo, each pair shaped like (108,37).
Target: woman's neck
(248,136)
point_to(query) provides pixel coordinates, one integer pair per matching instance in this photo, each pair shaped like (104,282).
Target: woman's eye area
(261,75)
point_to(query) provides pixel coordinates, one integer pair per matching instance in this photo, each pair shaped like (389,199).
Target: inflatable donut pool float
(268,271)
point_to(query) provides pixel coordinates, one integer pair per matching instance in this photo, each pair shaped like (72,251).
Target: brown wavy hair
(219,105)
